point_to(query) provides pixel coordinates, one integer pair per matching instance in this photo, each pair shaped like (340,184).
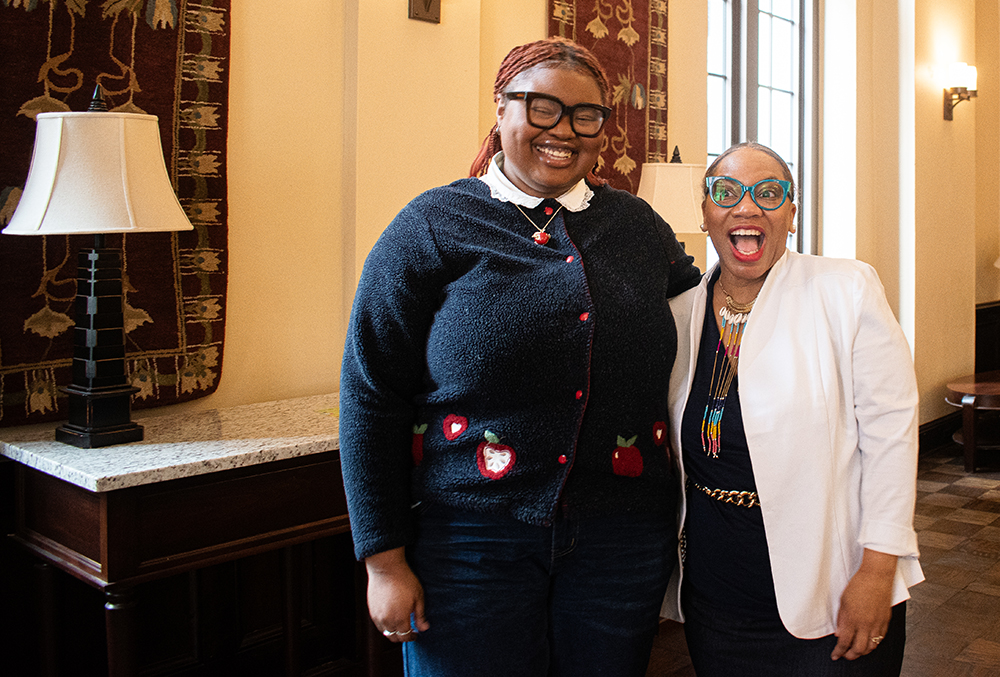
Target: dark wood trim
(938,432)
(987,336)
(137,534)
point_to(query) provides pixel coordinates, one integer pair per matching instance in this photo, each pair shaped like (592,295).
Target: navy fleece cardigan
(487,372)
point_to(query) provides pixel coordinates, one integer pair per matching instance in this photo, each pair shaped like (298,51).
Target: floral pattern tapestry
(167,58)
(629,37)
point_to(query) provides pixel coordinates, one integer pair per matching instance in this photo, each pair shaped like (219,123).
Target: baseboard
(938,432)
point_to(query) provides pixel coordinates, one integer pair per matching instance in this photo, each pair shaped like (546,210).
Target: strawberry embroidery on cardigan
(626,460)
(454,426)
(494,459)
(418,443)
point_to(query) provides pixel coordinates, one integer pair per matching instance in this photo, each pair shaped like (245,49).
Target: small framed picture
(426,10)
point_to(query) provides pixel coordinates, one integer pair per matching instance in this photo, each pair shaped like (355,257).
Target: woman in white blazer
(794,404)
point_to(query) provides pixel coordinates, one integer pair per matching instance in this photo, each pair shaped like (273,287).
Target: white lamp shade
(961,74)
(673,189)
(97,172)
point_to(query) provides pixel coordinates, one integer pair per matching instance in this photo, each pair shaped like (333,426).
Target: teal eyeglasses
(768,194)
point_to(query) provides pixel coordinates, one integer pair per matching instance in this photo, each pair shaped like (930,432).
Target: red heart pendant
(541,237)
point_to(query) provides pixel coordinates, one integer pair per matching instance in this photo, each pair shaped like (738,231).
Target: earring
(703,228)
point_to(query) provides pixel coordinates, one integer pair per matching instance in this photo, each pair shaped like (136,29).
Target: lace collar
(576,199)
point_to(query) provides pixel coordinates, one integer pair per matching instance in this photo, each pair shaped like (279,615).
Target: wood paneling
(210,573)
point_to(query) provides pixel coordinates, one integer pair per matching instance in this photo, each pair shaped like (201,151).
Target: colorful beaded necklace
(734,318)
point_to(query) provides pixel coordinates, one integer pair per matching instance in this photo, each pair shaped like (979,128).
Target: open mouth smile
(747,243)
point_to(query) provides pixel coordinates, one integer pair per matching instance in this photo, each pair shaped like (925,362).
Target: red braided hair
(553,52)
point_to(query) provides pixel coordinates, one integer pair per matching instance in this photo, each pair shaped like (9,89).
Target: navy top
(487,372)
(726,564)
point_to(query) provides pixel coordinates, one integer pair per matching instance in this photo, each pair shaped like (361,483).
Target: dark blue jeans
(505,598)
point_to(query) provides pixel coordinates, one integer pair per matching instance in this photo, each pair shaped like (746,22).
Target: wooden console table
(200,489)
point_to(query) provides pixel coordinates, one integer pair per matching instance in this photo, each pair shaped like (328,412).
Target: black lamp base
(94,438)
(100,397)
(99,418)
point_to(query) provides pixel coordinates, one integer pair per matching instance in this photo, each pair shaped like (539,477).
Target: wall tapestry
(630,39)
(167,58)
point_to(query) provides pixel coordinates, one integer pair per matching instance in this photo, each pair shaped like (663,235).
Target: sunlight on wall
(987,105)
(945,217)
(839,130)
(905,312)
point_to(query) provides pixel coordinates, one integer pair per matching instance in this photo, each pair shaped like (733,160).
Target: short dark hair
(752,145)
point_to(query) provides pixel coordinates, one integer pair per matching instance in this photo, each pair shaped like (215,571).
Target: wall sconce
(94,173)
(675,190)
(961,86)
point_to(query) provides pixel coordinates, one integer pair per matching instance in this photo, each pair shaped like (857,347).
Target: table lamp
(98,172)
(674,190)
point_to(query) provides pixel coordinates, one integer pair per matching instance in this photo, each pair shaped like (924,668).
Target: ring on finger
(876,639)
(390,633)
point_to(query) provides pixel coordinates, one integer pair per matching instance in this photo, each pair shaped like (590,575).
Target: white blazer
(829,401)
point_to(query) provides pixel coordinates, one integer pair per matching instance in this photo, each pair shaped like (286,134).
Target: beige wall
(899,180)
(505,24)
(283,316)
(413,109)
(341,112)
(987,112)
(944,299)
(883,128)
(687,82)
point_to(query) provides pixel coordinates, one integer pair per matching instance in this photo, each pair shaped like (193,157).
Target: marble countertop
(184,445)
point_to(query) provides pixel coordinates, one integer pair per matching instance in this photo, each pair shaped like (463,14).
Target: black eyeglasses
(545,112)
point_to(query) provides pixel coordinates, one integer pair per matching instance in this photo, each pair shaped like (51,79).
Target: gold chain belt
(747,499)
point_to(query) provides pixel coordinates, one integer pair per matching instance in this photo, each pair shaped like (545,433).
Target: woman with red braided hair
(503,399)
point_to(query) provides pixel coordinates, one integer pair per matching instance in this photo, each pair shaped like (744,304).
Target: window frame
(743,99)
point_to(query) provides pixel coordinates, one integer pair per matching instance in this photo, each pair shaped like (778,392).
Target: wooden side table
(975,393)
